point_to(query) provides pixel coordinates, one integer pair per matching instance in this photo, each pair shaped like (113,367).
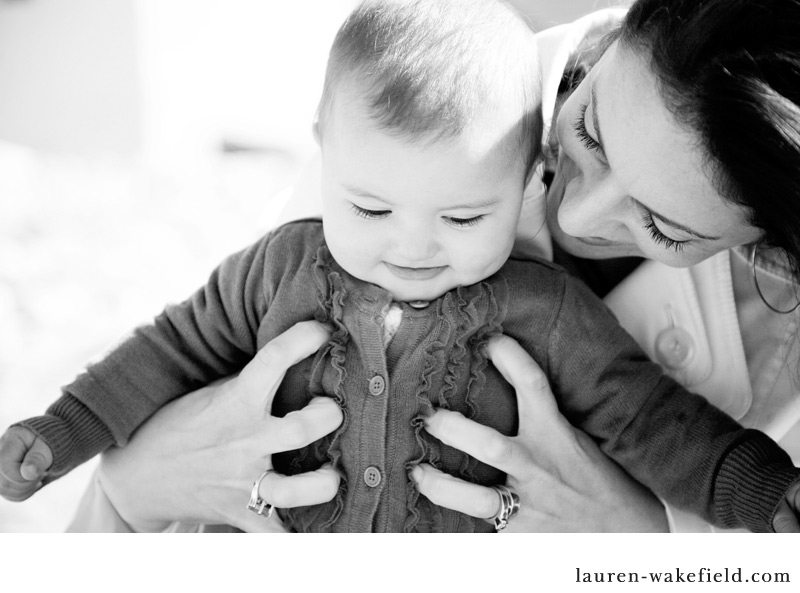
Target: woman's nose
(593,208)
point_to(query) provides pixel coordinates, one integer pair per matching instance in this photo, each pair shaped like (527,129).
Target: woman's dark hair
(730,70)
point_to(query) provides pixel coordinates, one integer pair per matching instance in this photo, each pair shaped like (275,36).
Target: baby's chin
(411,292)
(419,294)
(418,297)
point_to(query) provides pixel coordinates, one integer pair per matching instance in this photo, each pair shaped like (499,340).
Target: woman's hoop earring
(758,288)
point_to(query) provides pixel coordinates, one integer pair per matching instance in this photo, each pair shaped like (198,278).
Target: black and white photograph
(405,266)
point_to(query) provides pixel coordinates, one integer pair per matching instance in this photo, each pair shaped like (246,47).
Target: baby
(430,127)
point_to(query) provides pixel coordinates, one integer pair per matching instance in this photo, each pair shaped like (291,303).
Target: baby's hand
(24,459)
(787,518)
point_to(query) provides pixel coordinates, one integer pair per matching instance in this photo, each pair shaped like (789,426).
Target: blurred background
(141,141)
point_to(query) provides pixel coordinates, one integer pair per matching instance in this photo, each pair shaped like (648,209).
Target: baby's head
(430,125)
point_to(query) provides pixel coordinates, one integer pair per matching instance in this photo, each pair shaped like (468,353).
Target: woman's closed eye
(369,214)
(658,237)
(463,223)
(583,134)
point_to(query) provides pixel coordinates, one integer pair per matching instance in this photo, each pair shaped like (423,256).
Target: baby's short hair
(428,68)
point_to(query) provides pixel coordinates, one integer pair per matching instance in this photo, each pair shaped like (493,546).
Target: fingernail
(416,474)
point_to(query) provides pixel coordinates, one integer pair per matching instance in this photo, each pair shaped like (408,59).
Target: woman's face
(630,180)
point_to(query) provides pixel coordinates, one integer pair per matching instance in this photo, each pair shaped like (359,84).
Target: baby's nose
(416,244)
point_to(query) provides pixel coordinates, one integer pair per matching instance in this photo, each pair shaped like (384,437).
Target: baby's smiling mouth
(415,273)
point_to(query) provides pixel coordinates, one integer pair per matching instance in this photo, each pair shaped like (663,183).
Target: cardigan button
(376,385)
(372,476)
(674,348)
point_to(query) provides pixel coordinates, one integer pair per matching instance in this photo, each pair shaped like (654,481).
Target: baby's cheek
(480,264)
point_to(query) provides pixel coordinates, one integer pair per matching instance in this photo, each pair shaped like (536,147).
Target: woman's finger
(285,492)
(260,379)
(453,493)
(535,401)
(483,443)
(300,428)
(249,522)
(539,417)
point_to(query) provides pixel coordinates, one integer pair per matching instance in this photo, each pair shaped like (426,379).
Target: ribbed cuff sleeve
(753,480)
(73,433)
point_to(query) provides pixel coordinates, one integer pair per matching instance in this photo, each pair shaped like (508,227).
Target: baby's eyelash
(369,214)
(583,134)
(464,222)
(659,237)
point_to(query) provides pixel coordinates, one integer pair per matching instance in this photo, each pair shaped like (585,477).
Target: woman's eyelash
(583,134)
(659,237)
(369,214)
(464,222)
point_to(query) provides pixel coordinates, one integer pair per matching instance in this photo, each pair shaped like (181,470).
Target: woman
(679,145)
(636,176)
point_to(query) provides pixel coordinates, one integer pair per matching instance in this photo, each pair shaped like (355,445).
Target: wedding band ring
(257,504)
(509,507)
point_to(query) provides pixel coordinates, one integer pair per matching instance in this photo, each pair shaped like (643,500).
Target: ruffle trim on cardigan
(331,294)
(468,317)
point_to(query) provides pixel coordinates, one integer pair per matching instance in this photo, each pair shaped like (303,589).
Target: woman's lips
(595,241)
(415,273)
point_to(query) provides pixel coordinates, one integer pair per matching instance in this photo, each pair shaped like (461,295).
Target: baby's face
(418,218)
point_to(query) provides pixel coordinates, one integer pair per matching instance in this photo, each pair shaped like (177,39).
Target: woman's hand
(197,458)
(564,481)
